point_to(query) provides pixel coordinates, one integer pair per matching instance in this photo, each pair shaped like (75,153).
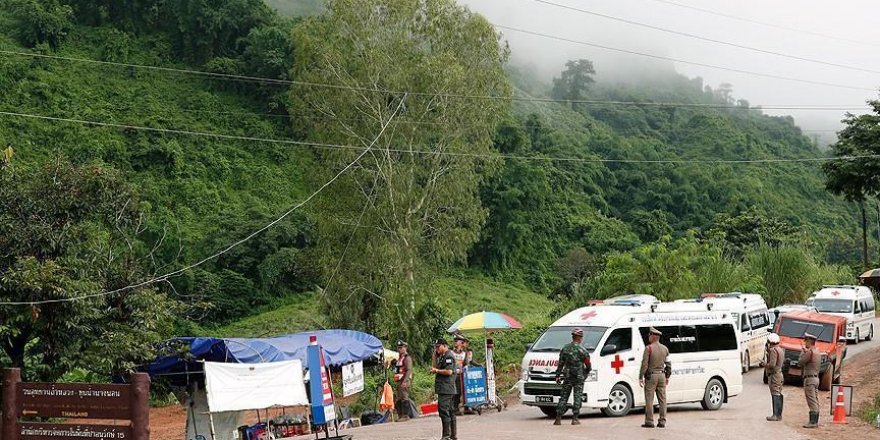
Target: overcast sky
(855,20)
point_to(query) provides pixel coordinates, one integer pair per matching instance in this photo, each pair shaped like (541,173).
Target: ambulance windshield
(833,305)
(556,337)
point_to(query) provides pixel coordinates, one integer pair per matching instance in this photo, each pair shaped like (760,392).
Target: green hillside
(585,203)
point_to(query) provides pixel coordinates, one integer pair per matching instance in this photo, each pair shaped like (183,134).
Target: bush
(42,21)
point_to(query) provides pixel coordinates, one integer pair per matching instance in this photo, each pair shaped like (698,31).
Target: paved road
(741,418)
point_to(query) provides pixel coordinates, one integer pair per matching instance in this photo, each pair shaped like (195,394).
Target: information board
(474,386)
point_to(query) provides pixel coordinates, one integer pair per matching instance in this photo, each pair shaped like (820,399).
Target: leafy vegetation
(462,204)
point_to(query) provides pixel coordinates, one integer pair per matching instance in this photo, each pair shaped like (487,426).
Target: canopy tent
(188,354)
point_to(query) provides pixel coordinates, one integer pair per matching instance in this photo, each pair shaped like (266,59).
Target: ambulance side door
(620,364)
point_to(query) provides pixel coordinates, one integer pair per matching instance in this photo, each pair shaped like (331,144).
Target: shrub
(42,21)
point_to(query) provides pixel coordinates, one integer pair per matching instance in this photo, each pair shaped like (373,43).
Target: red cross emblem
(588,315)
(617,364)
(835,293)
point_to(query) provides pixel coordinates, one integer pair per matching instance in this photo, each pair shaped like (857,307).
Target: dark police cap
(810,336)
(402,344)
(577,332)
(440,341)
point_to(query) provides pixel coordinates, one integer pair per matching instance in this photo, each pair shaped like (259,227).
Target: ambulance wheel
(620,401)
(549,411)
(713,398)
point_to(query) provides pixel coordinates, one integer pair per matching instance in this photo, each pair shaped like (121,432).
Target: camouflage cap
(577,332)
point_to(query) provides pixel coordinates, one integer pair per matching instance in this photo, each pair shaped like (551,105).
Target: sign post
(75,401)
(323,410)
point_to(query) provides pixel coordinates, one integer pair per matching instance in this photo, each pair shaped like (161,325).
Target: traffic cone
(839,408)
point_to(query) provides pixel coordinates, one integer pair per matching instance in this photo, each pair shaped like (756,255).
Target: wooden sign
(74,401)
(80,401)
(53,431)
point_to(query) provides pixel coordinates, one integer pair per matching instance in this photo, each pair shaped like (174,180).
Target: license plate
(544,399)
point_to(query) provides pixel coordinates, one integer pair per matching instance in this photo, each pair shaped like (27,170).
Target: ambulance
(855,303)
(752,320)
(703,346)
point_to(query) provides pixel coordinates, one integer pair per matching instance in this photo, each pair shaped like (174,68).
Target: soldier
(809,361)
(572,370)
(444,386)
(773,370)
(653,377)
(403,377)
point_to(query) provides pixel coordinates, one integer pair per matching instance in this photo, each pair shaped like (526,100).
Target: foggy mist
(853,24)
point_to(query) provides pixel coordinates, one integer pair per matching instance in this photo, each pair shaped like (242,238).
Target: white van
(855,303)
(703,348)
(752,319)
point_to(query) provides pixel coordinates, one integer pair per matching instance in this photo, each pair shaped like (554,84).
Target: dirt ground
(862,372)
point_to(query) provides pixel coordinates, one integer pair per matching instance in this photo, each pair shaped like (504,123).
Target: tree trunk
(864,235)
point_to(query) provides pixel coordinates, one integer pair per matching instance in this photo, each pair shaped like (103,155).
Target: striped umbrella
(484,321)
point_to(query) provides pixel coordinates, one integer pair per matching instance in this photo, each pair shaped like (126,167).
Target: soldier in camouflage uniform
(572,370)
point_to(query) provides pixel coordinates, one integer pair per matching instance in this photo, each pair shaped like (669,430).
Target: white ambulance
(752,319)
(703,349)
(855,303)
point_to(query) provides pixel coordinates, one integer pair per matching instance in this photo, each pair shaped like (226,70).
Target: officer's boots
(558,420)
(781,405)
(574,419)
(777,409)
(814,420)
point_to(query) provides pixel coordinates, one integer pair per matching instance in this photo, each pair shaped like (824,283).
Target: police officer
(773,371)
(403,377)
(809,361)
(571,371)
(652,376)
(444,386)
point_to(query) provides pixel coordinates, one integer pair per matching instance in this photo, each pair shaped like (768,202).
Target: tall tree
(412,203)
(574,82)
(857,179)
(69,231)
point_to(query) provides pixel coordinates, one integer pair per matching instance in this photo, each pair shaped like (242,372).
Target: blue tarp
(340,347)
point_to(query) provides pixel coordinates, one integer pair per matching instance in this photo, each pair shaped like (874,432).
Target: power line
(678,60)
(228,248)
(223,76)
(764,23)
(702,38)
(439,153)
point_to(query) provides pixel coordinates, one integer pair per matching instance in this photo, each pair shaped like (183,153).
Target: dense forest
(540,186)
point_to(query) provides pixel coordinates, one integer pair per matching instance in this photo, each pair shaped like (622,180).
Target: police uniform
(773,371)
(445,388)
(572,370)
(810,360)
(653,373)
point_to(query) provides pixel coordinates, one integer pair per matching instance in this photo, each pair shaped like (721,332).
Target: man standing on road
(809,361)
(652,376)
(458,352)
(773,371)
(571,372)
(403,377)
(444,386)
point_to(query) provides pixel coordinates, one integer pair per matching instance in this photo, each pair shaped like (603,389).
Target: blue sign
(323,410)
(475,386)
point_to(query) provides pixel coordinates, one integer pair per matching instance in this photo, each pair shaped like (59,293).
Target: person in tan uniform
(809,361)
(773,370)
(653,378)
